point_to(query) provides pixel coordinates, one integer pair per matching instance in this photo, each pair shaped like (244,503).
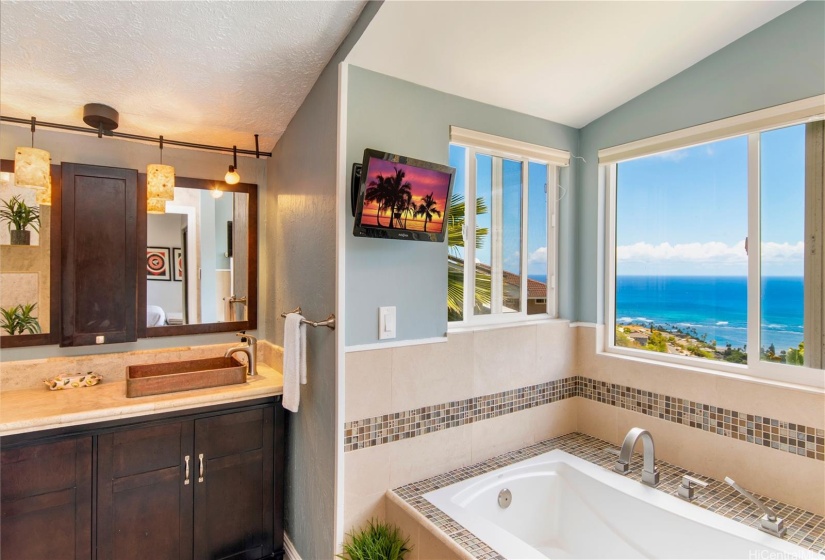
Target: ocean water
(714,306)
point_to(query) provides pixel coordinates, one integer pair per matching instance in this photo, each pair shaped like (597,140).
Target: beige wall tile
(555,350)
(790,478)
(505,359)
(428,455)
(553,420)
(368,384)
(358,510)
(367,471)
(433,373)
(597,419)
(431,547)
(774,402)
(408,526)
(502,434)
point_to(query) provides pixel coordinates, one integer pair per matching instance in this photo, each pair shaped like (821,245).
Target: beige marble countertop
(29,410)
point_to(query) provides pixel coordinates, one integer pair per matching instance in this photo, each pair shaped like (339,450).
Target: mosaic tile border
(388,428)
(760,430)
(804,528)
(781,435)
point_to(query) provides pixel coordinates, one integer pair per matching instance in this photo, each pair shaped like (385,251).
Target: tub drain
(505,497)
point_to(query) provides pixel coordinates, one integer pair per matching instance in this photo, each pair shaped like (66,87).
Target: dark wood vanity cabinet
(205,485)
(46,500)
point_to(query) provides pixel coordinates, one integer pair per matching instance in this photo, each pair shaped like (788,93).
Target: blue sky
(685,212)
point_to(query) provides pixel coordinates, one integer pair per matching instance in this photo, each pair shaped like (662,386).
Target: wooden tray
(171,377)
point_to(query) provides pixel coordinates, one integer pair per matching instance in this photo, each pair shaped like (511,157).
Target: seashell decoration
(76,381)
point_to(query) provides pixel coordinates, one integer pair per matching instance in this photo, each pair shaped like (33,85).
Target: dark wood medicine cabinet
(97,277)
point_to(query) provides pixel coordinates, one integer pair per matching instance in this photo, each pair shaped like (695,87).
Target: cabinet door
(46,500)
(99,260)
(144,495)
(234,490)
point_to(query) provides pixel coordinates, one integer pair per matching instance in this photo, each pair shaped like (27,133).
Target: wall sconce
(160,179)
(32,166)
(232,177)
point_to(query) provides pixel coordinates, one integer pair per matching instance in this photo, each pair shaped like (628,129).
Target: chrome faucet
(650,475)
(249,346)
(770,522)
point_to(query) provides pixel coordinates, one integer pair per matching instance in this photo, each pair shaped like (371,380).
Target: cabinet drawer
(143,450)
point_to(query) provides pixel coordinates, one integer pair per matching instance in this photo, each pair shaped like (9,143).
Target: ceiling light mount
(100,117)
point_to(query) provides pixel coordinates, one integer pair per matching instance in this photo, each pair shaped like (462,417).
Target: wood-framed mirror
(29,262)
(202,261)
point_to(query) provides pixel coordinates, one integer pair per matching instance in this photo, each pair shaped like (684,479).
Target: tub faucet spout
(650,475)
(249,346)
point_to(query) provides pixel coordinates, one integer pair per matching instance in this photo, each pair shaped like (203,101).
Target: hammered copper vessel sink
(170,377)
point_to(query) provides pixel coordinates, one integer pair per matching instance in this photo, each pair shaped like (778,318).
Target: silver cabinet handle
(200,472)
(186,479)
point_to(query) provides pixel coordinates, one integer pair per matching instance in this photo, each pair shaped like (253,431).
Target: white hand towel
(295,360)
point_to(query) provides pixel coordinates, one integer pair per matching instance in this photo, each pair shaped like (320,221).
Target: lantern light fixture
(32,166)
(155,206)
(160,179)
(232,177)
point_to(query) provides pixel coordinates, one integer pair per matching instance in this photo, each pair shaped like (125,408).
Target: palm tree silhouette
(407,208)
(398,191)
(378,191)
(428,208)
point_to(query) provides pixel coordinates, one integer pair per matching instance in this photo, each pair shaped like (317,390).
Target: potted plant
(378,541)
(22,216)
(19,319)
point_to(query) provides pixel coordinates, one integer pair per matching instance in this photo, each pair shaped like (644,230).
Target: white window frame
(750,125)
(499,147)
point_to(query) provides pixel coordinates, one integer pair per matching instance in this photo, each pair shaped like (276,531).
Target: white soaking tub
(565,507)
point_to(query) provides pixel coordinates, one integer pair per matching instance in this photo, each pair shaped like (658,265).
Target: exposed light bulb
(232,177)
(216,193)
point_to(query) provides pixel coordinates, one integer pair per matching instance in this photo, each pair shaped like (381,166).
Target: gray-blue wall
(782,61)
(392,115)
(300,227)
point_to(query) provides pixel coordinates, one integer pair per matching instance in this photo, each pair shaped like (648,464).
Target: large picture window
(712,252)
(502,219)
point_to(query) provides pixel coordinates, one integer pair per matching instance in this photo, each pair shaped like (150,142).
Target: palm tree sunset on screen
(428,208)
(401,196)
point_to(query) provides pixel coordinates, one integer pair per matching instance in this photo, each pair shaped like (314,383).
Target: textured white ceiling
(568,62)
(205,72)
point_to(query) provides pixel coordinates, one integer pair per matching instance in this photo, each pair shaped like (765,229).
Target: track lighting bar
(125,136)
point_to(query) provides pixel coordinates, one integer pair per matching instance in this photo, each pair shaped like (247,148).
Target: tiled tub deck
(804,528)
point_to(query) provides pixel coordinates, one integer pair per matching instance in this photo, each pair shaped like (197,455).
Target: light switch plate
(386,323)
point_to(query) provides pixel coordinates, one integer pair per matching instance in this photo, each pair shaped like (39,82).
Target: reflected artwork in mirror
(29,261)
(200,277)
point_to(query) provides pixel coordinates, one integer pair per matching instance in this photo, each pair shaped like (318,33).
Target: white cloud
(782,252)
(673,155)
(539,256)
(711,252)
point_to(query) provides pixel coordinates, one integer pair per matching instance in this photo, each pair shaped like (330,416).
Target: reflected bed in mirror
(29,261)
(201,260)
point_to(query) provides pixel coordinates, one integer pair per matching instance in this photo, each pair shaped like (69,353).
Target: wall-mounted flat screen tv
(402,198)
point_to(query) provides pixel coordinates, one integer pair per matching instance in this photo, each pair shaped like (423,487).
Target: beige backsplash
(29,374)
